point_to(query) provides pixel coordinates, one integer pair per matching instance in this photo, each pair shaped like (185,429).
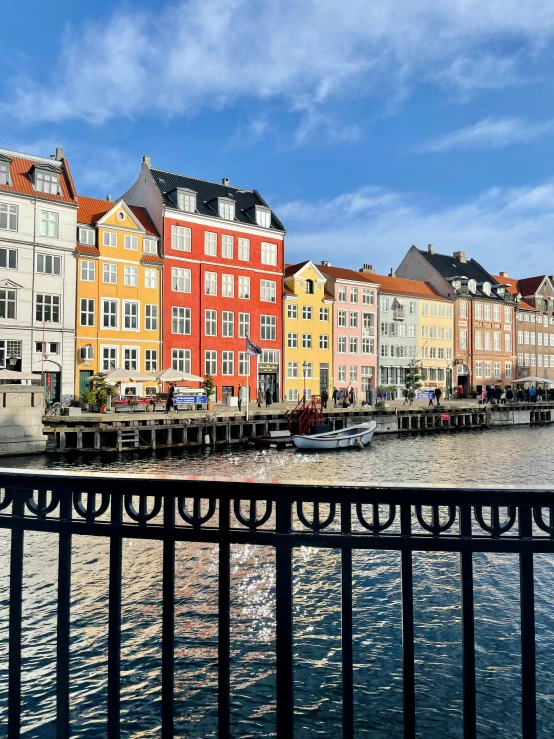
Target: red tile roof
(513,287)
(21,182)
(339,273)
(91,211)
(402,286)
(86,249)
(152,258)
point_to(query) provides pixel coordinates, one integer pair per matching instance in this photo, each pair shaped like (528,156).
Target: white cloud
(504,229)
(490,133)
(200,53)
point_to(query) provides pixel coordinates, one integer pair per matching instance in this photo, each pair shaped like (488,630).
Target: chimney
(59,153)
(225,182)
(324,263)
(431,248)
(392,273)
(146,160)
(109,198)
(460,256)
(503,274)
(367,269)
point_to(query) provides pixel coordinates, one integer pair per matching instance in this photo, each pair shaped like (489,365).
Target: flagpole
(247,377)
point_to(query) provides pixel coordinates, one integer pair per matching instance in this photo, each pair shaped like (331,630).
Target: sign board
(425,394)
(189,399)
(268,368)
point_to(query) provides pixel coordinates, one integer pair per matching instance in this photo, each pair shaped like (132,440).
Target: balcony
(399,314)
(397,520)
(368,331)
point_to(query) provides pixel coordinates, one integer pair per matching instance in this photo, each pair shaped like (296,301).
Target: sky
(366,126)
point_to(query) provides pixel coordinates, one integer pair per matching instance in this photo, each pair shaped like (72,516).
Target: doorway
(227,391)
(269,380)
(52,386)
(84,385)
(324,376)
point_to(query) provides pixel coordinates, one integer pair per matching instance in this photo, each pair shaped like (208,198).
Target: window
(441,310)
(88,270)
(109,358)
(449,354)
(532,336)
(412,330)
(210,325)
(342,294)
(520,360)
(527,360)
(4,173)
(130,242)
(432,352)
(228,323)
(226,209)
(244,250)
(210,244)
(186,201)
(306,341)
(478,369)
(463,339)
(433,309)
(8,217)
(7,303)
(180,280)
(432,332)
(309,287)
(180,320)
(526,317)
(292,341)
(520,337)
(8,258)
(151,278)
(497,341)
(269,253)
(87,312)
(487,311)
(180,360)
(385,328)
(478,339)
(109,313)
(307,370)
(130,358)
(497,374)
(130,276)
(479,311)
(292,311)
(440,354)
(227,246)
(508,319)
(496,312)
(244,363)
(368,297)
(353,345)
(353,319)
(526,335)
(210,283)
(292,369)
(487,340)
(268,291)
(441,332)
(307,312)
(48,309)
(324,314)
(109,238)
(268,325)
(384,350)
(342,373)
(227,363)
(149,246)
(180,238)
(244,325)
(87,236)
(354,295)
(449,311)
(341,344)
(533,360)
(47,264)
(47,182)
(109,274)
(210,363)
(368,346)
(86,352)
(323,341)
(227,286)
(292,396)
(488,369)
(424,309)
(341,318)
(449,334)
(150,360)
(130,315)
(463,309)
(151,317)
(507,342)
(263,217)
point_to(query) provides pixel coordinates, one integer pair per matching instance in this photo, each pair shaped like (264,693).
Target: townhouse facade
(119,282)
(38,216)
(484,315)
(355,314)
(308,332)
(223,253)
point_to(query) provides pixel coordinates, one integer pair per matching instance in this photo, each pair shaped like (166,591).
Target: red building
(223,279)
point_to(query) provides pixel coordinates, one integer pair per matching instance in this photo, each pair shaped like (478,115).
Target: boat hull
(355,436)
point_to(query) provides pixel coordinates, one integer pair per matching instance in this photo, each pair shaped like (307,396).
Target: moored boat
(352,436)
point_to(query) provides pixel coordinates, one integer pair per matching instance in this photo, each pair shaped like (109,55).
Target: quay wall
(21,427)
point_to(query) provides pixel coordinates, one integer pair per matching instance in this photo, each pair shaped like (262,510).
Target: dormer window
(87,236)
(500,290)
(487,288)
(4,172)
(186,200)
(456,284)
(310,287)
(263,217)
(150,246)
(472,286)
(226,209)
(47,182)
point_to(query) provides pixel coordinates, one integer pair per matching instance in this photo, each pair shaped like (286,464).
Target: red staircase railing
(306,415)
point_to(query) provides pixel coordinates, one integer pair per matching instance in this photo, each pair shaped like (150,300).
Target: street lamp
(12,360)
(304,366)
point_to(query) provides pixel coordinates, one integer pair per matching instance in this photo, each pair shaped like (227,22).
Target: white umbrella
(173,375)
(534,380)
(123,375)
(6,374)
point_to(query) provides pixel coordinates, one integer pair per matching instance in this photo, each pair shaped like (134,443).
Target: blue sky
(368,127)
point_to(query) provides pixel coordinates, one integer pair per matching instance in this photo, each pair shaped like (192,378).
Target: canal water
(503,456)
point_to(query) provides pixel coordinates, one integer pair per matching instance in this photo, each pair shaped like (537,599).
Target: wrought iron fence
(170,510)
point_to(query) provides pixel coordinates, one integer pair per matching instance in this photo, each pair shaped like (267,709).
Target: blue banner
(190,399)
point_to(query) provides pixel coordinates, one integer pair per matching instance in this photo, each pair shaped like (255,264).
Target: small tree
(208,385)
(100,391)
(413,377)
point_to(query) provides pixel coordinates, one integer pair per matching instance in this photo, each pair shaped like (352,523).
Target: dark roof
(449,267)
(292,269)
(206,194)
(530,285)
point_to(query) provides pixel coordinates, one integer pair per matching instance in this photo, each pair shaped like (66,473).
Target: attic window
(500,290)
(4,173)
(87,236)
(186,200)
(121,215)
(226,209)
(487,288)
(456,284)
(47,182)
(150,246)
(472,285)
(263,217)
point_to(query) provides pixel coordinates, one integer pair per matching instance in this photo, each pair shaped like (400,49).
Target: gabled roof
(449,267)
(512,286)
(529,285)
(21,168)
(208,192)
(340,273)
(403,286)
(292,269)
(91,211)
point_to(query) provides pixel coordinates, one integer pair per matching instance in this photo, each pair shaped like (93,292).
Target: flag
(252,349)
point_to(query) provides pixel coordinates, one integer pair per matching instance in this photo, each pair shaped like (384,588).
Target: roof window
(226,209)
(47,180)
(5,170)
(186,200)
(263,217)
(472,285)
(487,288)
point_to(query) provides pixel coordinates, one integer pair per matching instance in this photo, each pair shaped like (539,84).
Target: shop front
(268,377)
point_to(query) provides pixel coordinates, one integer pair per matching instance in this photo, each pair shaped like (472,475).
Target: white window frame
(133,313)
(227,363)
(181,360)
(151,315)
(88,270)
(210,283)
(244,287)
(130,242)
(130,275)
(9,214)
(109,238)
(180,280)
(210,244)
(88,311)
(109,270)
(227,246)
(151,278)
(244,325)
(104,314)
(228,323)
(269,253)
(181,313)
(181,238)
(108,356)
(227,286)
(244,250)
(210,362)
(87,236)
(268,291)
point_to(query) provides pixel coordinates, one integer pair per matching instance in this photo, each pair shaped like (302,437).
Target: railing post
(114,620)
(285,669)
(346,626)
(15,619)
(527,608)
(168,618)
(407,624)
(224,607)
(468,626)
(63,626)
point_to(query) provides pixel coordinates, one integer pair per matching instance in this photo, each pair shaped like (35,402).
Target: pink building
(355,350)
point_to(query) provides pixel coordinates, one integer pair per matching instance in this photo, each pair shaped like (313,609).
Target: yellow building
(308,332)
(119,284)
(436,341)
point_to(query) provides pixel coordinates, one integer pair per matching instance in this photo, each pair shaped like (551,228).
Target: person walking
(502,396)
(497,394)
(324,397)
(169,405)
(335,396)
(431,398)
(260,397)
(352,396)
(240,398)
(484,396)
(411,396)
(509,395)
(405,394)
(438,393)
(532,394)
(268,397)
(490,394)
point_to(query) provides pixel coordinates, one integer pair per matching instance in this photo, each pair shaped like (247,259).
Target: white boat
(359,436)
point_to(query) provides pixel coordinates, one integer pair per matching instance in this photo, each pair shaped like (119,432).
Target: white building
(38,223)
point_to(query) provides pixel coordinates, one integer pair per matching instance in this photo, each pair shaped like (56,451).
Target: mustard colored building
(119,285)
(308,332)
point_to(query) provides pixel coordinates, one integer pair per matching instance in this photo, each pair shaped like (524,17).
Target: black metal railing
(170,510)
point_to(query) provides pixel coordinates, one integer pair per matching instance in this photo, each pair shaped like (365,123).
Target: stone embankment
(21,428)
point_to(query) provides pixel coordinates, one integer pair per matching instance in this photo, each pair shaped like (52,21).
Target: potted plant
(89,398)
(381,396)
(74,408)
(102,391)
(208,386)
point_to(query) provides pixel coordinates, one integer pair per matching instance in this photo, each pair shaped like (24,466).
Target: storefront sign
(189,399)
(425,394)
(268,368)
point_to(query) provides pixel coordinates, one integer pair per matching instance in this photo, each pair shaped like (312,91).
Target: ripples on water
(504,456)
